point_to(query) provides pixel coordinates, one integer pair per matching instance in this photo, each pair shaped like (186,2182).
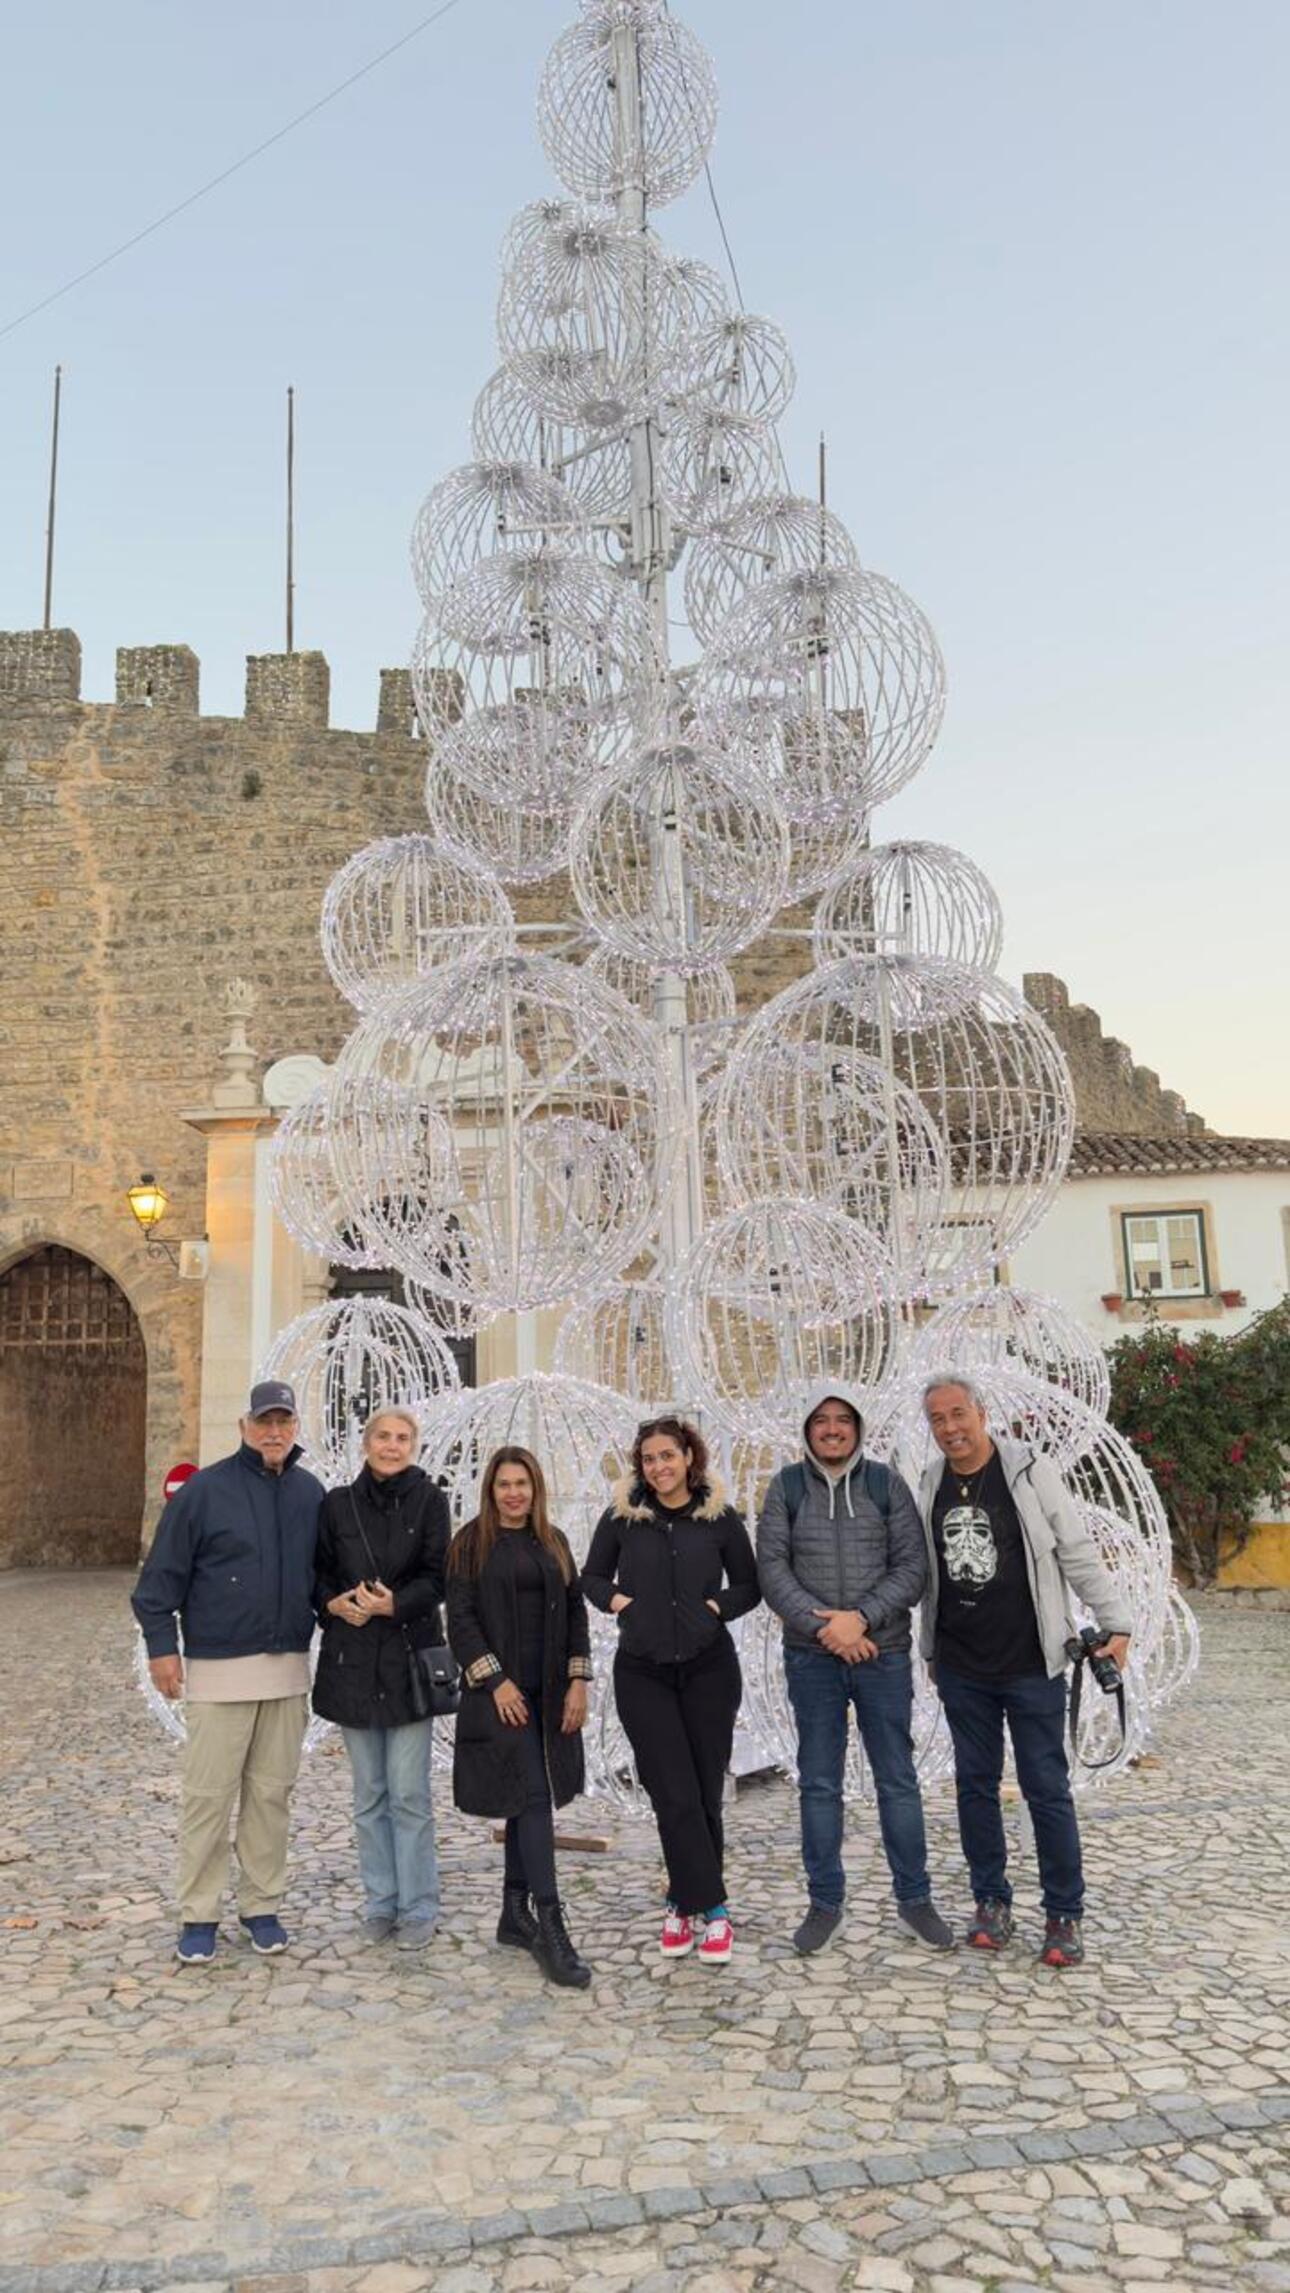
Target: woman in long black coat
(518,1628)
(382,1546)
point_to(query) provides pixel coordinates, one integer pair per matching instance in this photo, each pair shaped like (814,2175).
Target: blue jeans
(1035,1710)
(823,1693)
(394,1821)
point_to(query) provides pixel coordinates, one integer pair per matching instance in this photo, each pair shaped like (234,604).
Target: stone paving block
(620,2211)
(668,2204)
(557,2220)
(830,2174)
(793,2182)
(1243,2117)
(994,2150)
(733,2191)
(886,2169)
(1044,2148)
(497,2228)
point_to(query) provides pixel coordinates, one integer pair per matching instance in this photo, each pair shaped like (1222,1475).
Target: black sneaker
(924,1922)
(991,1929)
(1063,1944)
(817,1928)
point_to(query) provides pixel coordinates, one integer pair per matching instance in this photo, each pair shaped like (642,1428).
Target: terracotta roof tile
(1098,1154)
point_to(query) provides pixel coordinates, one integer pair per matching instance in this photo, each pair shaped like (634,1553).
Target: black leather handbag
(434,1675)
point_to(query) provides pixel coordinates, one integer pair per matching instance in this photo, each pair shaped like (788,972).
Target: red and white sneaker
(677,1937)
(718,1942)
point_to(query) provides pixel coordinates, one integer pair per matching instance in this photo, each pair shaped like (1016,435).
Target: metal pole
(53,502)
(291,519)
(650,550)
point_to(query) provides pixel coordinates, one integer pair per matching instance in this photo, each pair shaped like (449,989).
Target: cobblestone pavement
(352,2120)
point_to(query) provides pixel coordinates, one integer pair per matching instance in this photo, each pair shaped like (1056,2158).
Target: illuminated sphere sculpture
(581,122)
(477,512)
(771,1298)
(1015,1329)
(404,907)
(679,858)
(835,678)
(508,427)
(616,1338)
(307,1189)
(518,845)
(780,533)
(713,465)
(991,1078)
(346,1359)
(911,899)
(553,1091)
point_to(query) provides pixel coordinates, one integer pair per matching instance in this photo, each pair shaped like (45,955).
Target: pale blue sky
(1032,262)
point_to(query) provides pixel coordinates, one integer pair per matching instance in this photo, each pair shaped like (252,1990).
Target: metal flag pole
(291,519)
(53,502)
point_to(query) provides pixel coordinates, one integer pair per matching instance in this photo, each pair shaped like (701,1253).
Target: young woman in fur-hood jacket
(671,1560)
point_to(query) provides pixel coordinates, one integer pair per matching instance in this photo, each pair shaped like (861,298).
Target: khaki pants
(246,1754)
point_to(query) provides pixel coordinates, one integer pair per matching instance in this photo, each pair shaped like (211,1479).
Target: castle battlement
(42,668)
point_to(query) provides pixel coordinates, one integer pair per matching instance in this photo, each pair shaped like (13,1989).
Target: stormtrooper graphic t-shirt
(985,1617)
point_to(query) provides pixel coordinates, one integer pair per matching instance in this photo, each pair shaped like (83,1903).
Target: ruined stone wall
(1112,1092)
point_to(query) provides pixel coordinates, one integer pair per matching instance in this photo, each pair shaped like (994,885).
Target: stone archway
(73,1414)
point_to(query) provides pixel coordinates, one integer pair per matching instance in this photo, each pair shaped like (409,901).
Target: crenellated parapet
(1112,1092)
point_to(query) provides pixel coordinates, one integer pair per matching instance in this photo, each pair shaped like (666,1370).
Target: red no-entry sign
(176,1478)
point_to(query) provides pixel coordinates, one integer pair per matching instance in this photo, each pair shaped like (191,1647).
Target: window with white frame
(1164,1254)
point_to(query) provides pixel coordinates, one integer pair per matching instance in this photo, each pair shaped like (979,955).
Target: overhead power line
(203,190)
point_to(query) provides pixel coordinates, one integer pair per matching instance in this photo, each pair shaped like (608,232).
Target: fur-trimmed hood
(629,1501)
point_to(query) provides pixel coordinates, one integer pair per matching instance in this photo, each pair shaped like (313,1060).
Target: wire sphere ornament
(989,1073)
(396,1168)
(709,1000)
(556,698)
(713,464)
(347,1360)
(912,899)
(616,1338)
(835,679)
(1018,1330)
(554,1094)
(827,1123)
(401,909)
(473,514)
(822,850)
(594,145)
(679,858)
(779,533)
(772,1718)
(588,312)
(741,365)
(519,847)
(580,1433)
(307,1188)
(774,1296)
(571,621)
(595,472)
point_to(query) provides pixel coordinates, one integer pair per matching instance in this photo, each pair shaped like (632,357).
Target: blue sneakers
(196,1945)
(267,1933)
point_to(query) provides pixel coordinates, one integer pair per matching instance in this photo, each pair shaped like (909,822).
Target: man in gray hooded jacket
(842,1560)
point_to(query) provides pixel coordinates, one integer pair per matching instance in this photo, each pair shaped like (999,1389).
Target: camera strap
(1077,1682)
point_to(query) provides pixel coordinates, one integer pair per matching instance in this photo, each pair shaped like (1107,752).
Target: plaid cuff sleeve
(580,1668)
(484,1668)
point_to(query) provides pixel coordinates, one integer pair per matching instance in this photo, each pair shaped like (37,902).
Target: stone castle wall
(1112,1092)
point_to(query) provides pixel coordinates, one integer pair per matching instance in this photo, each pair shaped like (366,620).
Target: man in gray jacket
(841,1559)
(1004,1542)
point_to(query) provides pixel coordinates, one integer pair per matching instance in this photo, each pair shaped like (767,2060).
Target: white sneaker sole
(715,1958)
(676,1950)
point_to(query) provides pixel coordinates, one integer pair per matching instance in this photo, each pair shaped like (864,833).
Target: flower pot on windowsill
(1232,1297)
(1112,1300)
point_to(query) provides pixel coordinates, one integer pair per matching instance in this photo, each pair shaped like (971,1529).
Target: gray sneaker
(378,1927)
(414,1934)
(819,1925)
(924,1922)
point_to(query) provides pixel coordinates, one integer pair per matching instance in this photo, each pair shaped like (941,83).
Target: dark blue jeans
(823,1693)
(1035,1710)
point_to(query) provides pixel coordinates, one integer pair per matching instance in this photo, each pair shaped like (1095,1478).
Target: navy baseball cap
(270,1395)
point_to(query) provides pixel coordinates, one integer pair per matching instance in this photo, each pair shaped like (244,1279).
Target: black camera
(1088,1650)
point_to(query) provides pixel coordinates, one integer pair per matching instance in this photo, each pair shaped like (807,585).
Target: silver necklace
(968,1495)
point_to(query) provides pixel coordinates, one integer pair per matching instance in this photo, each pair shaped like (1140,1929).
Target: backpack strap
(875,1480)
(792,1481)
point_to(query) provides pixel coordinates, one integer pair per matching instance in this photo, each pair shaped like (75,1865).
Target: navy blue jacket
(233,1557)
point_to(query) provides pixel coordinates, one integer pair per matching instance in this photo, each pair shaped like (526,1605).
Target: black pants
(680,1722)
(530,1835)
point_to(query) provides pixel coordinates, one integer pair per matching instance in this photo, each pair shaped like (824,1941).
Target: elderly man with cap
(841,1560)
(231,1569)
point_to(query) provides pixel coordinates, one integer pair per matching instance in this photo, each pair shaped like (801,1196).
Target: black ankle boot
(517,1926)
(555,1953)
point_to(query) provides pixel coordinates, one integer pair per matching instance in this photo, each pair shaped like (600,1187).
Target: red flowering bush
(1211,1422)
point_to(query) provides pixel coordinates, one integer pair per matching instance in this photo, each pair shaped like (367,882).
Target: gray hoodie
(841,1553)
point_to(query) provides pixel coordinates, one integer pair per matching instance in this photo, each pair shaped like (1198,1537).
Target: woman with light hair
(382,1545)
